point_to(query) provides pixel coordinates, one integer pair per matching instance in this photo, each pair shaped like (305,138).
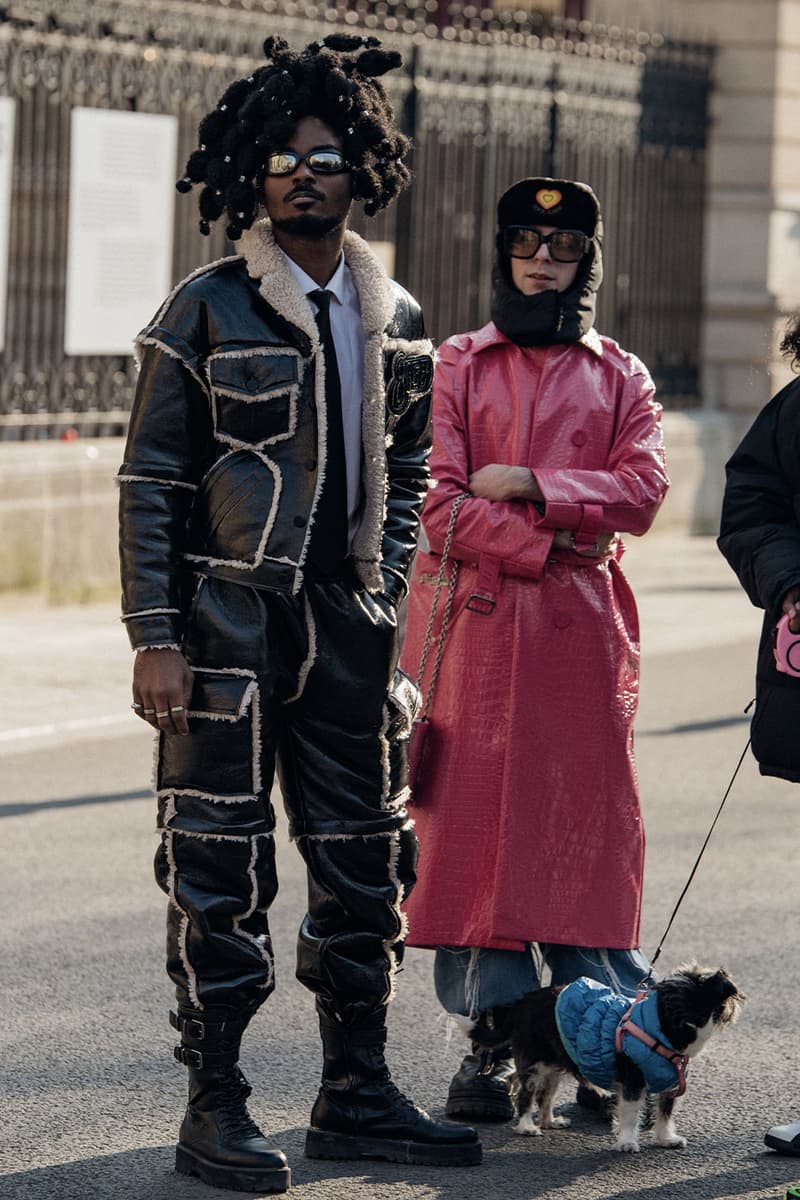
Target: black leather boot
(481,1087)
(360,1113)
(219,1141)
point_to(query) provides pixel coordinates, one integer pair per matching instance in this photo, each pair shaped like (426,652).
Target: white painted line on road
(61,727)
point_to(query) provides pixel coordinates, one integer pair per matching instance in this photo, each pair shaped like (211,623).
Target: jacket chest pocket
(254,396)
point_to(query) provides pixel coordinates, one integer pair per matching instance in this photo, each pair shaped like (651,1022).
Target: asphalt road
(91,1096)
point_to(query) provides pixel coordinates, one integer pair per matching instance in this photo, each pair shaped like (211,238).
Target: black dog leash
(742,757)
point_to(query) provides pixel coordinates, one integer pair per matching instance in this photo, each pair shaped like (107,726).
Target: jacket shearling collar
(281,290)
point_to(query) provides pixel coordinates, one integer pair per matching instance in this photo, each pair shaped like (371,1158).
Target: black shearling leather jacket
(226,446)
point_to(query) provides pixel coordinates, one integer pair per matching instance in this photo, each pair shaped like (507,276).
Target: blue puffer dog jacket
(587,1015)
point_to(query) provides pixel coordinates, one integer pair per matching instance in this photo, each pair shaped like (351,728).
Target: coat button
(311,464)
(300,522)
(562,621)
(579,437)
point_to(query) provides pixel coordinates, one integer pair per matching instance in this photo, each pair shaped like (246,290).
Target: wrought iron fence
(488,97)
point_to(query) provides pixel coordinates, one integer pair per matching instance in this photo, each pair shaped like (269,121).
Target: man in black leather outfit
(275,468)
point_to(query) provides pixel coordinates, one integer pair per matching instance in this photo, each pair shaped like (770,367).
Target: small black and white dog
(612,1043)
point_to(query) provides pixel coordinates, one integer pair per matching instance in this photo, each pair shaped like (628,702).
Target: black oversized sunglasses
(564,245)
(321,162)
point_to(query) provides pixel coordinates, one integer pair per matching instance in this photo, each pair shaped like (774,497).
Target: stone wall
(58,506)
(58,525)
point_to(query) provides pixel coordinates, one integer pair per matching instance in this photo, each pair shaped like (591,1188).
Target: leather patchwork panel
(219,694)
(235,508)
(254,397)
(218,759)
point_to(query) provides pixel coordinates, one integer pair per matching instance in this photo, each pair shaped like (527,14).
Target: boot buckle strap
(188,1027)
(189,1057)
(204,1059)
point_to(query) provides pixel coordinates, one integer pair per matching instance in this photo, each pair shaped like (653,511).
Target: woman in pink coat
(528,814)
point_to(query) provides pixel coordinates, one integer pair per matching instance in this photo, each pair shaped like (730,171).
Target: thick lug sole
(321,1144)
(235,1179)
(480,1107)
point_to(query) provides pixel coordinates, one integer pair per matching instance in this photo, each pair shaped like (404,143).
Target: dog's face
(693,1002)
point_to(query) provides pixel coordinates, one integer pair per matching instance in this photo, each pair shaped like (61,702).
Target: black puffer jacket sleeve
(760,531)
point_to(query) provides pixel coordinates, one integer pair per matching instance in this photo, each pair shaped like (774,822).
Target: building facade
(751,258)
(680,115)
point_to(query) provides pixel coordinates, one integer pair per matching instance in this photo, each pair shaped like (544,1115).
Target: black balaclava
(551,317)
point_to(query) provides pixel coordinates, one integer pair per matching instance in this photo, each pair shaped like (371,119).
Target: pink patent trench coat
(529,819)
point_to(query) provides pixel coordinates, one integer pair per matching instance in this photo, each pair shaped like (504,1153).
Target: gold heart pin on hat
(548,198)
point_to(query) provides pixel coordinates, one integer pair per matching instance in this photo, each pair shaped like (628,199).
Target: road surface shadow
(31,806)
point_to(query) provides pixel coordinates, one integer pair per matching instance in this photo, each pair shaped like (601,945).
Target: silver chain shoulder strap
(451,588)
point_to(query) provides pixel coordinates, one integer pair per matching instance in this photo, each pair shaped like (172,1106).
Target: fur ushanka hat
(551,317)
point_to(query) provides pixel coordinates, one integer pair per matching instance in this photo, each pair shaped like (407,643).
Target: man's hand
(162,689)
(791,606)
(604,544)
(499,482)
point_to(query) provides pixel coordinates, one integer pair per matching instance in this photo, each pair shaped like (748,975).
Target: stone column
(752,229)
(752,252)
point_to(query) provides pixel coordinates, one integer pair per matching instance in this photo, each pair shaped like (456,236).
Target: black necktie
(328,546)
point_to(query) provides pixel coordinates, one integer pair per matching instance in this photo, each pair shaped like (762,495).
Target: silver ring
(137,707)
(148,712)
(176,708)
(165,713)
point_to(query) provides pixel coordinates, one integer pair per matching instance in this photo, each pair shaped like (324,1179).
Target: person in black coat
(760,538)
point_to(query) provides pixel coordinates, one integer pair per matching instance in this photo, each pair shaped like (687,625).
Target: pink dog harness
(679,1061)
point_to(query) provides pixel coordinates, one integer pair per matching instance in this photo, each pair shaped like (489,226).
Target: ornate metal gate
(490,98)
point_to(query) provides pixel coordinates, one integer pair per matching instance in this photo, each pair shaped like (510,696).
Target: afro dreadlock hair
(335,80)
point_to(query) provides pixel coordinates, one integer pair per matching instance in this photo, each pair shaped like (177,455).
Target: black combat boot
(481,1087)
(219,1141)
(360,1113)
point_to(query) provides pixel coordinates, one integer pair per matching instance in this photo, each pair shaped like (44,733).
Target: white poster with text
(7,110)
(121,206)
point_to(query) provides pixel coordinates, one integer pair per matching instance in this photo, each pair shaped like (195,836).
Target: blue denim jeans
(469,981)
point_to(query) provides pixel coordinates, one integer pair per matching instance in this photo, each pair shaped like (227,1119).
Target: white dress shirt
(349,340)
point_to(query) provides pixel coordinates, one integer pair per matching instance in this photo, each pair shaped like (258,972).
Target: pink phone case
(787,648)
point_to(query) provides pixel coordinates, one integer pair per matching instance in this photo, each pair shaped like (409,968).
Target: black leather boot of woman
(480,1090)
(361,1113)
(481,1087)
(219,1141)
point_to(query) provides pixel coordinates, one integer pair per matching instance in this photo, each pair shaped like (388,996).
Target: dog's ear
(691,997)
(722,996)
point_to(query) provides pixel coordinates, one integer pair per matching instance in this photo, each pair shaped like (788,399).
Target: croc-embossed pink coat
(529,819)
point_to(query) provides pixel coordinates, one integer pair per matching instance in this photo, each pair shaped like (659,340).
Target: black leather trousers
(307,683)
